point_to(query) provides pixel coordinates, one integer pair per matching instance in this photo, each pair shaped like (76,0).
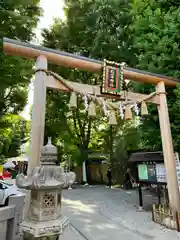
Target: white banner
(84,172)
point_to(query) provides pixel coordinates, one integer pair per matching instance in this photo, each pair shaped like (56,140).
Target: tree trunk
(111,144)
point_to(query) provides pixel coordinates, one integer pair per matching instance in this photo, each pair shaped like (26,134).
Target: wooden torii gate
(42,81)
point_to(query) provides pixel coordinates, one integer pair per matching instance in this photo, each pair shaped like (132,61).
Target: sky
(52,9)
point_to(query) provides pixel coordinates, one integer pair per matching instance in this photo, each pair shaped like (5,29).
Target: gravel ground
(100,213)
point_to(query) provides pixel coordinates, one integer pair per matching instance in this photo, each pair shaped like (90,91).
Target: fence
(163,215)
(10,218)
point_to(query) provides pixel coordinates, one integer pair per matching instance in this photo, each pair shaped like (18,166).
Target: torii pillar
(168,151)
(38,113)
(38,119)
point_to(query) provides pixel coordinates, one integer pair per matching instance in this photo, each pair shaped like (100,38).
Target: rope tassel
(112,118)
(73,100)
(92,110)
(144,110)
(128,113)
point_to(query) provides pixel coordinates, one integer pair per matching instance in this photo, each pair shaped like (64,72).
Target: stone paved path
(99,214)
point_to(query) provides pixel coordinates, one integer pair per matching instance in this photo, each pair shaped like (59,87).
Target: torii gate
(42,81)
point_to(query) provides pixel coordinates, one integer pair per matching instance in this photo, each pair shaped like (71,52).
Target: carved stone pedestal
(44,230)
(44,220)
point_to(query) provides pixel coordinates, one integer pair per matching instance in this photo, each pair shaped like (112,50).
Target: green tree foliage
(98,29)
(105,27)
(121,141)
(69,127)
(144,34)
(18,20)
(13,136)
(156,41)
(175,112)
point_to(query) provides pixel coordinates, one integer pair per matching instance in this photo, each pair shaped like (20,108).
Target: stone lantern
(45,183)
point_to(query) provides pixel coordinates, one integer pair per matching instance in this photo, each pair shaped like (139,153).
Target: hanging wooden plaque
(112,78)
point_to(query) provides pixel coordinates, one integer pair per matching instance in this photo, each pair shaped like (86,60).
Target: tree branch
(75,126)
(85,120)
(9,93)
(68,129)
(81,129)
(88,135)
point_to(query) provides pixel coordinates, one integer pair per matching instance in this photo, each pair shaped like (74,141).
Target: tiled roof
(146,157)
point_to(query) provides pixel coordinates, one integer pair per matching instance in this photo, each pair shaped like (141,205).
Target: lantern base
(39,230)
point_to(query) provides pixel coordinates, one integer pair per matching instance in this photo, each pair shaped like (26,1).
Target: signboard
(151,173)
(177,168)
(147,172)
(161,173)
(156,172)
(142,172)
(112,78)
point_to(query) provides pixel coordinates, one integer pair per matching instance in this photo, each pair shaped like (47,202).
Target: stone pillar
(45,182)
(168,151)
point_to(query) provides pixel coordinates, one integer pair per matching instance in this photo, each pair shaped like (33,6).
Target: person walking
(109,177)
(128,180)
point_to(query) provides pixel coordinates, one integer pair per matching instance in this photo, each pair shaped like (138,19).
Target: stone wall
(10,218)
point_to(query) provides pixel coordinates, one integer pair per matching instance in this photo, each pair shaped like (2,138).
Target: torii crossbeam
(16,48)
(42,81)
